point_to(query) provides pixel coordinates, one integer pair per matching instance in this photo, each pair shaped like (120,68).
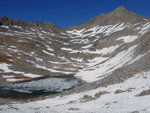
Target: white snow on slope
(114,28)
(51,69)
(18,27)
(106,30)
(137,58)
(87,46)
(13,79)
(4,26)
(124,102)
(3,33)
(66,49)
(107,50)
(95,73)
(145,28)
(103,51)
(76,32)
(128,39)
(48,53)
(5,68)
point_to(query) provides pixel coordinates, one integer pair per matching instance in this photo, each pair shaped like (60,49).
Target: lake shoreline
(8,91)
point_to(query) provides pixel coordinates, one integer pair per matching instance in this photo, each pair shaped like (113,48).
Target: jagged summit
(10,22)
(120,9)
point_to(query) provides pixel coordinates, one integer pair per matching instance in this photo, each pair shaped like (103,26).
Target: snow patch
(97,72)
(128,39)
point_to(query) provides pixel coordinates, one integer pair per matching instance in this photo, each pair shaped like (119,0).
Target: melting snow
(128,39)
(95,73)
(14,80)
(7,27)
(5,68)
(48,53)
(145,28)
(97,30)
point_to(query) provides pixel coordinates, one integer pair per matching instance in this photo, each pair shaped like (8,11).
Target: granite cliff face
(110,50)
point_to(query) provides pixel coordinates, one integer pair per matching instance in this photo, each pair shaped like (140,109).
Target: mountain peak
(120,9)
(121,15)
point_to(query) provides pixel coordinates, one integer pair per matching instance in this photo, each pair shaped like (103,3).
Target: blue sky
(65,13)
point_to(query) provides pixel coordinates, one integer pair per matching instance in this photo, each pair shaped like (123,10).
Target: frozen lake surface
(40,86)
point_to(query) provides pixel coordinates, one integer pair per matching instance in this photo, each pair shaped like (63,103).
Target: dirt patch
(73,109)
(135,112)
(97,95)
(87,98)
(5,101)
(122,91)
(133,73)
(5,59)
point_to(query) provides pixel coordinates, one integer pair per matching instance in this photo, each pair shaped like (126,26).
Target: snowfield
(94,73)
(128,39)
(125,101)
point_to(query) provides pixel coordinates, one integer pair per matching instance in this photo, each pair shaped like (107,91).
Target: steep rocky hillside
(110,53)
